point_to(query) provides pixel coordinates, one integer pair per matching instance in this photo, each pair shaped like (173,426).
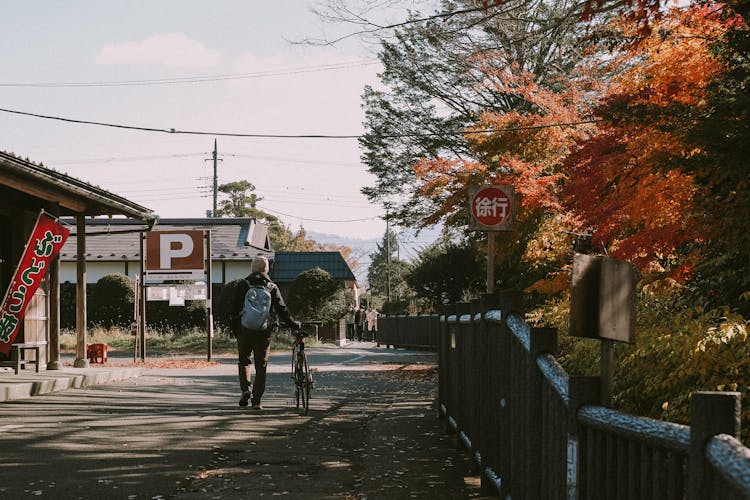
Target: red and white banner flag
(44,245)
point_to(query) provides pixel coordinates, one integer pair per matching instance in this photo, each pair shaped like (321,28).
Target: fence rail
(536,432)
(420,332)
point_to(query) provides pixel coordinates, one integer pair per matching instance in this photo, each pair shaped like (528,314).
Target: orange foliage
(674,64)
(621,177)
(524,150)
(625,183)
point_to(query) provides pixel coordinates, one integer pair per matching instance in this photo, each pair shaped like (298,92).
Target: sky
(124,62)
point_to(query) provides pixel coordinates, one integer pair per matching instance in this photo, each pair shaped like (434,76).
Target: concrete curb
(26,385)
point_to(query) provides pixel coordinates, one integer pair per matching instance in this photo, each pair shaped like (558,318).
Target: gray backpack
(256,307)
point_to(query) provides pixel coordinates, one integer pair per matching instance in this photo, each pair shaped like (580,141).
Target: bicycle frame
(301,376)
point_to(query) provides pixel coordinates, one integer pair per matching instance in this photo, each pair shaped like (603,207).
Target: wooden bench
(18,360)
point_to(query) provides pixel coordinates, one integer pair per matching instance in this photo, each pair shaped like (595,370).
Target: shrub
(316,296)
(113,302)
(228,300)
(110,304)
(679,350)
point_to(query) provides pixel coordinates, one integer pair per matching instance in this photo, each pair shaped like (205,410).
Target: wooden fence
(536,432)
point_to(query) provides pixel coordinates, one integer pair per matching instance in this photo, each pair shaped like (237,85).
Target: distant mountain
(337,239)
(361,250)
(410,244)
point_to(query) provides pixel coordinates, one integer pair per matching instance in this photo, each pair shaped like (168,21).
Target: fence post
(451,368)
(582,391)
(711,413)
(442,346)
(490,409)
(464,402)
(541,341)
(477,376)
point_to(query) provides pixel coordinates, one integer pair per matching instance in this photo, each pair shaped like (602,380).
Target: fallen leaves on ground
(418,371)
(175,363)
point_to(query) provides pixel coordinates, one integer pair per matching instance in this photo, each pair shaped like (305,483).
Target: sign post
(209,298)
(182,256)
(602,306)
(492,209)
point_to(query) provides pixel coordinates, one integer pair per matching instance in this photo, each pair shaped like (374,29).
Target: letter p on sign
(168,251)
(174,246)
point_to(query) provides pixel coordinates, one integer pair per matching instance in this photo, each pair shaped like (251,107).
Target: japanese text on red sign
(45,243)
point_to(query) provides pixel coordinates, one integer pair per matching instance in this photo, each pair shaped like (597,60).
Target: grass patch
(174,342)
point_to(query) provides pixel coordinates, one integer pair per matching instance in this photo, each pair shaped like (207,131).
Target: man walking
(252,321)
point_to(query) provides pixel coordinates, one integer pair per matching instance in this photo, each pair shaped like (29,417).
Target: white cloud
(173,50)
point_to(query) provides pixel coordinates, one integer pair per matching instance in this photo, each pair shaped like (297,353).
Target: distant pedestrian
(256,341)
(372,323)
(350,316)
(360,320)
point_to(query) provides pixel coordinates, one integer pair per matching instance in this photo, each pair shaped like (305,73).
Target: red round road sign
(491,206)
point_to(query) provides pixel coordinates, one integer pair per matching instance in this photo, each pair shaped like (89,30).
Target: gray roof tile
(118,239)
(288,265)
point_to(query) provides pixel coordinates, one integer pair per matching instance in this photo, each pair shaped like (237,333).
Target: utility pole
(388,253)
(215,158)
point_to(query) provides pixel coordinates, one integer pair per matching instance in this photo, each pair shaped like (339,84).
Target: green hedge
(110,304)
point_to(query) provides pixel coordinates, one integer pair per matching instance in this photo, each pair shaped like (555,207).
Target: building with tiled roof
(113,246)
(27,190)
(288,265)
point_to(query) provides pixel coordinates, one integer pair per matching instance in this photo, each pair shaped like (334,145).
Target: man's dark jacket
(278,307)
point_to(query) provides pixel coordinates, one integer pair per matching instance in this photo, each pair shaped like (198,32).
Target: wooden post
(81,360)
(209,294)
(490,262)
(711,413)
(142,304)
(54,315)
(135,327)
(607,366)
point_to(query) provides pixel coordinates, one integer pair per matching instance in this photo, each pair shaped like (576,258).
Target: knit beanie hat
(259,265)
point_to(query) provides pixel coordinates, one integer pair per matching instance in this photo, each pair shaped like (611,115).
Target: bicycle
(303,382)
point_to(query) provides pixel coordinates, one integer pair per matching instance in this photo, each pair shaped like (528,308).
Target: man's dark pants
(257,344)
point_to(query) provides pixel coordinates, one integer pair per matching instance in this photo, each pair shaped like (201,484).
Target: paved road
(179,433)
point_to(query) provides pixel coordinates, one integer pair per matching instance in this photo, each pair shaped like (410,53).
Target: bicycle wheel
(296,374)
(305,384)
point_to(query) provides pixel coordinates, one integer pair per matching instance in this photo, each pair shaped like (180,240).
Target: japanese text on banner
(44,245)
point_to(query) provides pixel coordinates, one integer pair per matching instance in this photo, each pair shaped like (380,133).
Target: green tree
(239,200)
(315,296)
(386,272)
(447,272)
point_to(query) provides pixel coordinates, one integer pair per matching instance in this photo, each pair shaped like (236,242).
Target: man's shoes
(245,398)
(257,406)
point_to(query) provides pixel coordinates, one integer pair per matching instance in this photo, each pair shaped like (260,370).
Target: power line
(292,160)
(196,79)
(323,203)
(125,158)
(300,136)
(319,220)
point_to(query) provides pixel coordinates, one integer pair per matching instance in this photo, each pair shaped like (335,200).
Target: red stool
(97,353)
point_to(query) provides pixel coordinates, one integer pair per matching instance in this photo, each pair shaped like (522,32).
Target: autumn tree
(629,184)
(720,133)
(437,84)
